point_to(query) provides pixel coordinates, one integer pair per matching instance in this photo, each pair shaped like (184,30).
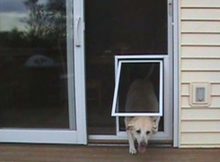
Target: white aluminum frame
(136,59)
(176,21)
(79,67)
(77,133)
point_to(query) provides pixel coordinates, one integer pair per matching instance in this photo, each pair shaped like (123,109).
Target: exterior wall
(200,62)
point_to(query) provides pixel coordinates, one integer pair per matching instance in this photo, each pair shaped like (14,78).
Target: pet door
(138,86)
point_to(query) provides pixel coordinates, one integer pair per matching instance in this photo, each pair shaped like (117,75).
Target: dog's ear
(155,121)
(130,127)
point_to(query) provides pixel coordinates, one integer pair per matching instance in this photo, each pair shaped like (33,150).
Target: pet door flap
(138,87)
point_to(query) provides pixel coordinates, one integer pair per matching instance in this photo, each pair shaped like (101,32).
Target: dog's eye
(148,132)
(138,131)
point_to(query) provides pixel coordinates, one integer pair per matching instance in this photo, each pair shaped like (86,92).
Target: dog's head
(142,129)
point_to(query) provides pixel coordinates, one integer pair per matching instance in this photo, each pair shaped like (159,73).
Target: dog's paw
(132,151)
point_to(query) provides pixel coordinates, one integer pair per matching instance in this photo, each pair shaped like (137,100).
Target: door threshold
(112,140)
(125,144)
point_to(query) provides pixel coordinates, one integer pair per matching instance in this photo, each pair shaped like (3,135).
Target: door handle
(77,29)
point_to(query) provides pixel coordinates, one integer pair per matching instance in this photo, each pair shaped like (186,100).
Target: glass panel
(33,64)
(117,27)
(123,26)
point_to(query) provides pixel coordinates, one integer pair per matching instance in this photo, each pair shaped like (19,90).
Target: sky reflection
(11,14)
(12,6)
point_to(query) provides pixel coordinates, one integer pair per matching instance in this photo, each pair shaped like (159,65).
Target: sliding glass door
(39,72)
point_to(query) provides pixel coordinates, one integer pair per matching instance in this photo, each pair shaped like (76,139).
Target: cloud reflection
(9,21)
(11,14)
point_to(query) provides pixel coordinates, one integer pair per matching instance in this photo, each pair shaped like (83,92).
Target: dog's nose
(142,147)
(143,143)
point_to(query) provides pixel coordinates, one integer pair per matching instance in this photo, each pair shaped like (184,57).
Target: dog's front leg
(132,149)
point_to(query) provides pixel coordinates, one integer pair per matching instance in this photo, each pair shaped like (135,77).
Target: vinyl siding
(200,62)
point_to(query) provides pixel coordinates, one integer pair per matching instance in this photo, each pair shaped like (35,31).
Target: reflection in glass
(33,64)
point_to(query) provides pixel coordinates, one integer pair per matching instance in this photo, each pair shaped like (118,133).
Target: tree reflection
(45,24)
(33,66)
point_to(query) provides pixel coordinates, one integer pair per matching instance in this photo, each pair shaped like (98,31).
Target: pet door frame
(166,134)
(119,60)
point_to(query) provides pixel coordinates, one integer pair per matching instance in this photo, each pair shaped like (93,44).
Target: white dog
(141,95)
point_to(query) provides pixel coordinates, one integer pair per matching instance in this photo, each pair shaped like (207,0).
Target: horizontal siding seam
(198,45)
(200,7)
(199,20)
(186,107)
(199,146)
(210,119)
(200,108)
(203,33)
(215,95)
(185,83)
(202,145)
(200,70)
(185,95)
(198,131)
(211,95)
(216,83)
(211,82)
(200,57)
(189,82)
(217,144)
(200,32)
(195,121)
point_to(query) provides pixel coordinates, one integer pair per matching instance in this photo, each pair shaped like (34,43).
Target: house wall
(200,62)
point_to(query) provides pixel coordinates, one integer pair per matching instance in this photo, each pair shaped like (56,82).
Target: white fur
(141,95)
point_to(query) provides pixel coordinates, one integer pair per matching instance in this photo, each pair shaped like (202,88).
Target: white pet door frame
(116,108)
(164,93)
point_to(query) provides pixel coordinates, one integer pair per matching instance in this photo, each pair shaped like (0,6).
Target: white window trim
(137,59)
(176,22)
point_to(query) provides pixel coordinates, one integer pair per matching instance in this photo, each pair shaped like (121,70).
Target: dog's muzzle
(142,147)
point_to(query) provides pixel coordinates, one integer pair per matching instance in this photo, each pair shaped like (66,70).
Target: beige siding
(200,3)
(200,114)
(200,52)
(199,76)
(201,39)
(215,102)
(200,62)
(200,139)
(200,14)
(200,27)
(194,126)
(215,89)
